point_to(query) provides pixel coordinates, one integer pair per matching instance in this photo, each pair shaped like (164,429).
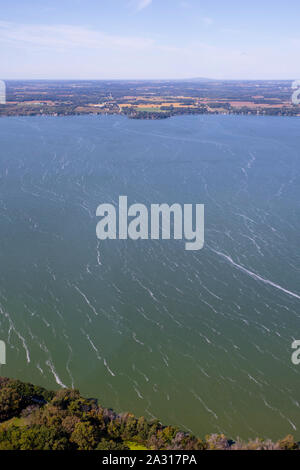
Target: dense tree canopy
(33,418)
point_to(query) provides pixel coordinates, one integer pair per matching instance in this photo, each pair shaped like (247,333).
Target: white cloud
(68,51)
(208,21)
(66,36)
(143,4)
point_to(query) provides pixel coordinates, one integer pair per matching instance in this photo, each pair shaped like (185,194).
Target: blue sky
(141,39)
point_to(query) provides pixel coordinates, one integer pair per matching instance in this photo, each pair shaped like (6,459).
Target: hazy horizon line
(202,79)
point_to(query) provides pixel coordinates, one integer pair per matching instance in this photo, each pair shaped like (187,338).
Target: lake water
(201,339)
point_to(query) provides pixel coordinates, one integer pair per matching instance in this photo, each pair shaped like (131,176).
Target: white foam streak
(256,276)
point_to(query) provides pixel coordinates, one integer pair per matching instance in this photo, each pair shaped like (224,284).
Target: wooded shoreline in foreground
(33,418)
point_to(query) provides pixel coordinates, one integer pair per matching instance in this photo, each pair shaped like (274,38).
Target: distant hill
(196,80)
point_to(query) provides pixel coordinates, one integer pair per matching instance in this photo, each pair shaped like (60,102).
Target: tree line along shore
(33,418)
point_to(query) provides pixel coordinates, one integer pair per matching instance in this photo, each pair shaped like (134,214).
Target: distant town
(148,99)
